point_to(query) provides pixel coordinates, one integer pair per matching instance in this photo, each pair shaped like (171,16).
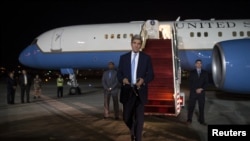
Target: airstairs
(164,93)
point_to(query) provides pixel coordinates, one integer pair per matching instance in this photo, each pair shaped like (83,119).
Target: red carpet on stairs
(161,89)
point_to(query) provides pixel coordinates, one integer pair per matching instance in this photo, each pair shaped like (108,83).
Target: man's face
(11,74)
(136,45)
(198,64)
(110,66)
(23,71)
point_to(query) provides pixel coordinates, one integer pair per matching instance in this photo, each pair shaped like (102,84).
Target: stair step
(161,96)
(163,86)
(160,106)
(160,99)
(158,102)
(155,55)
(161,92)
(159,110)
(164,78)
(167,88)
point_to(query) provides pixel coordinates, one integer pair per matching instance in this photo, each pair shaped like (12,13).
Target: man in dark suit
(135,71)
(198,81)
(11,88)
(111,88)
(25,83)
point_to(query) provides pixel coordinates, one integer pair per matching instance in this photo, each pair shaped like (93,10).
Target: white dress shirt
(136,64)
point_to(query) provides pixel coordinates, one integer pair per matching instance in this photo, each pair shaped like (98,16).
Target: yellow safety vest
(59,82)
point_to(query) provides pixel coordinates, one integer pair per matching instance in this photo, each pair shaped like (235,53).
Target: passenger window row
(117,36)
(234,34)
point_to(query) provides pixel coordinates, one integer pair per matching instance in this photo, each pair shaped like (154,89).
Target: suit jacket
(144,70)
(21,80)
(110,82)
(11,84)
(196,81)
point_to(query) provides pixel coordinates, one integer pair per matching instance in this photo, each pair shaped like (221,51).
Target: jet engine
(231,65)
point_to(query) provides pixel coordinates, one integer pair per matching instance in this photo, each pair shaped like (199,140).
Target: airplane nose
(28,56)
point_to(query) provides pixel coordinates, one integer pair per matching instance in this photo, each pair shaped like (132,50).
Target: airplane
(222,45)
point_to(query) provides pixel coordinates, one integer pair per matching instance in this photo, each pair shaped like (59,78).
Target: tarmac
(80,117)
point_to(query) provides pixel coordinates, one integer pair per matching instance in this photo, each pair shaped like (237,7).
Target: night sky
(23,20)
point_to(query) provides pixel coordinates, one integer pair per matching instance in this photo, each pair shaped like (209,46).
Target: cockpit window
(34,42)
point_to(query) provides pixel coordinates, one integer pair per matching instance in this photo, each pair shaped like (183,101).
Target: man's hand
(139,83)
(108,90)
(125,81)
(199,90)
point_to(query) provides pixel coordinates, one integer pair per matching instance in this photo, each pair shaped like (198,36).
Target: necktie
(133,73)
(199,72)
(25,79)
(109,74)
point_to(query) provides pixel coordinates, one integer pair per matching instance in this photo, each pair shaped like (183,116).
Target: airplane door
(152,28)
(56,41)
(165,30)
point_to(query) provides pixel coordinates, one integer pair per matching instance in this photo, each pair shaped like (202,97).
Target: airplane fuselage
(92,46)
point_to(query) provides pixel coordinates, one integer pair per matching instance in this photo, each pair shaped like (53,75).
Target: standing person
(135,71)
(111,88)
(25,83)
(59,83)
(11,88)
(37,87)
(198,81)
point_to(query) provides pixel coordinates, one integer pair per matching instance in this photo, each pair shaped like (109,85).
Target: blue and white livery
(223,46)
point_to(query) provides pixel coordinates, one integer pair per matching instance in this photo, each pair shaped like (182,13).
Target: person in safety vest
(59,83)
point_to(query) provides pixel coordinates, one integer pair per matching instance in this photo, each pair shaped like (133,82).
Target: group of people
(128,85)
(25,83)
(130,81)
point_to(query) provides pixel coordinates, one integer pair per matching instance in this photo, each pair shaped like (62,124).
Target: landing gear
(74,89)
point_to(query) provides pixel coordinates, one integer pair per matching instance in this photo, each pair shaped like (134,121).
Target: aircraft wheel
(74,90)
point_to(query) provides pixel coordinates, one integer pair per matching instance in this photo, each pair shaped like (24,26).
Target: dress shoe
(132,138)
